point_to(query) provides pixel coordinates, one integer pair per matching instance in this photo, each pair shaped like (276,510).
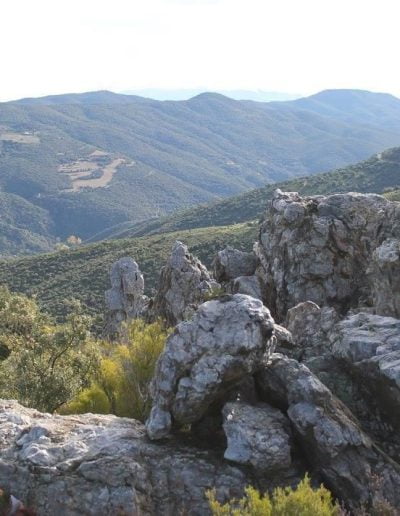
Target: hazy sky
(58,46)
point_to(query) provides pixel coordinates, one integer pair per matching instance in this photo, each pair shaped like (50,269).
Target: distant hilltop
(186,94)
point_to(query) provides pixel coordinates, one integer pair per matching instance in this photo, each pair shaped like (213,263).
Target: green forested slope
(375,175)
(83,273)
(177,154)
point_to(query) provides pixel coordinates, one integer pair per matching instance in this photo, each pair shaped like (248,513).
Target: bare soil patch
(27,138)
(94,171)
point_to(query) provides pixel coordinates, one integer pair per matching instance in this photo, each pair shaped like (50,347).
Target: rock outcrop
(257,435)
(344,456)
(318,248)
(328,269)
(310,327)
(384,275)
(369,346)
(184,284)
(231,263)
(104,465)
(249,285)
(124,301)
(226,340)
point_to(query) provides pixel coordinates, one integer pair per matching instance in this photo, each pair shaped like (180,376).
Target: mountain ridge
(170,155)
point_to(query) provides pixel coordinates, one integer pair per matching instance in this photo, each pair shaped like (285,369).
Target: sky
(301,46)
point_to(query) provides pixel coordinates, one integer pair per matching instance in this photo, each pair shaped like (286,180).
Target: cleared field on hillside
(82,172)
(100,182)
(19,138)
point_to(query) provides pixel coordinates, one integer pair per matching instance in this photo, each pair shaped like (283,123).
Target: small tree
(73,241)
(46,364)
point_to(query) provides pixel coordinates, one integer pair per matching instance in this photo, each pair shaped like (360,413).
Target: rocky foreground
(237,398)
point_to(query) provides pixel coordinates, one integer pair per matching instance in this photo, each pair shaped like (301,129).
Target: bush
(123,379)
(302,501)
(44,365)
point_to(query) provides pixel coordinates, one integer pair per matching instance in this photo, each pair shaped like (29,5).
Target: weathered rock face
(310,327)
(104,465)
(318,248)
(257,435)
(313,329)
(369,345)
(330,436)
(124,301)
(231,263)
(249,285)
(226,340)
(184,283)
(384,275)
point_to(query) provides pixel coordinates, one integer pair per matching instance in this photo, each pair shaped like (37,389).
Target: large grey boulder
(369,345)
(104,465)
(258,436)
(384,274)
(331,438)
(231,263)
(184,284)
(318,248)
(226,340)
(313,329)
(124,301)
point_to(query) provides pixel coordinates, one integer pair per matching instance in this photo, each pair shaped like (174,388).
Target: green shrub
(44,365)
(302,501)
(123,379)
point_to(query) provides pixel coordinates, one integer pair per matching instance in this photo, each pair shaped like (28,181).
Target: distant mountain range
(82,163)
(186,94)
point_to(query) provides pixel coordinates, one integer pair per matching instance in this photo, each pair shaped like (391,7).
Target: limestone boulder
(369,346)
(104,465)
(331,438)
(384,275)
(225,341)
(249,285)
(258,435)
(125,299)
(184,284)
(310,327)
(318,248)
(231,263)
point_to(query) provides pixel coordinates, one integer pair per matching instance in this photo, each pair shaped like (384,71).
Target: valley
(167,156)
(82,272)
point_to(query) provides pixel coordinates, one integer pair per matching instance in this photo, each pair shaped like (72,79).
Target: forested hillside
(79,164)
(83,273)
(378,174)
